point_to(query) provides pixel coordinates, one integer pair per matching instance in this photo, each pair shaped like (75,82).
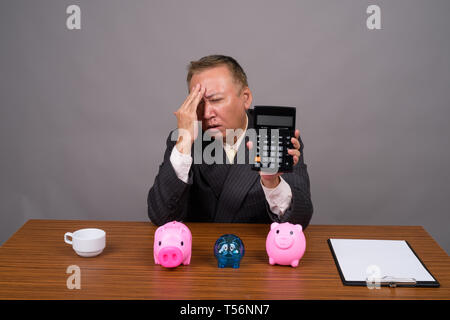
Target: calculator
(275,126)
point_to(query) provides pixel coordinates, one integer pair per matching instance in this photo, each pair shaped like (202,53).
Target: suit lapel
(214,174)
(230,183)
(238,182)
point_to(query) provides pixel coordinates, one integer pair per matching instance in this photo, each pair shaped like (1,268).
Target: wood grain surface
(33,264)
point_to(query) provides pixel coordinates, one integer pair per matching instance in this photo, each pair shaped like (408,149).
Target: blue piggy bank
(229,250)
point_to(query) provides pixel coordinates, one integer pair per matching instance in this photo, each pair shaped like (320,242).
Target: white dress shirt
(278,198)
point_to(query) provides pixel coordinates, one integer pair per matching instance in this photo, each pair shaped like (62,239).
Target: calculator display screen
(278,121)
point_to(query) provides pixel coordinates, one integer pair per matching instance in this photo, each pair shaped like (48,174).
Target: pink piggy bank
(285,244)
(173,245)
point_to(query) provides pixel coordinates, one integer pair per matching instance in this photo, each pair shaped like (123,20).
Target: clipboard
(392,263)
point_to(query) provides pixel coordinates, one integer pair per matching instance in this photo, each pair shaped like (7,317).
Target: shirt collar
(239,140)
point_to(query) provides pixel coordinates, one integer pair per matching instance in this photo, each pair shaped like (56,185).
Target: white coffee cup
(87,242)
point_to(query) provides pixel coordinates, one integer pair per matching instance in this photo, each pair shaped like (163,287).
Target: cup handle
(68,234)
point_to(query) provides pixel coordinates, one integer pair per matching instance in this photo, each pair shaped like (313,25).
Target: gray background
(85,114)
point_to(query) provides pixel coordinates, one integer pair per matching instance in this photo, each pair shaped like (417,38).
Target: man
(185,190)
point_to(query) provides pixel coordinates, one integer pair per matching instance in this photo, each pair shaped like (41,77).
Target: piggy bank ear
(274,225)
(183,231)
(299,227)
(158,231)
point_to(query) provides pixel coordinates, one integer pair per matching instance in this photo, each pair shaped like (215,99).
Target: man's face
(221,107)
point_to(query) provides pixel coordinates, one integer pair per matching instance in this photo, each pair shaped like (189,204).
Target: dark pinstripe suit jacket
(224,193)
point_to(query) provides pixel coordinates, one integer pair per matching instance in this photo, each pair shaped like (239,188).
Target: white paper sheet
(360,259)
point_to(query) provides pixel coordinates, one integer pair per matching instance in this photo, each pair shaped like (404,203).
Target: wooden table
(33,264)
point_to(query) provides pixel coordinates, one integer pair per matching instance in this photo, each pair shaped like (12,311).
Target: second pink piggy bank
(285,244)
(173,245)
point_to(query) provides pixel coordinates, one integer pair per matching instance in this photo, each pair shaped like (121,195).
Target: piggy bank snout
(170,257)
(283,242)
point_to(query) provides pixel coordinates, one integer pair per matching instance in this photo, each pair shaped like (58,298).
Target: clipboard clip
(393,282)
